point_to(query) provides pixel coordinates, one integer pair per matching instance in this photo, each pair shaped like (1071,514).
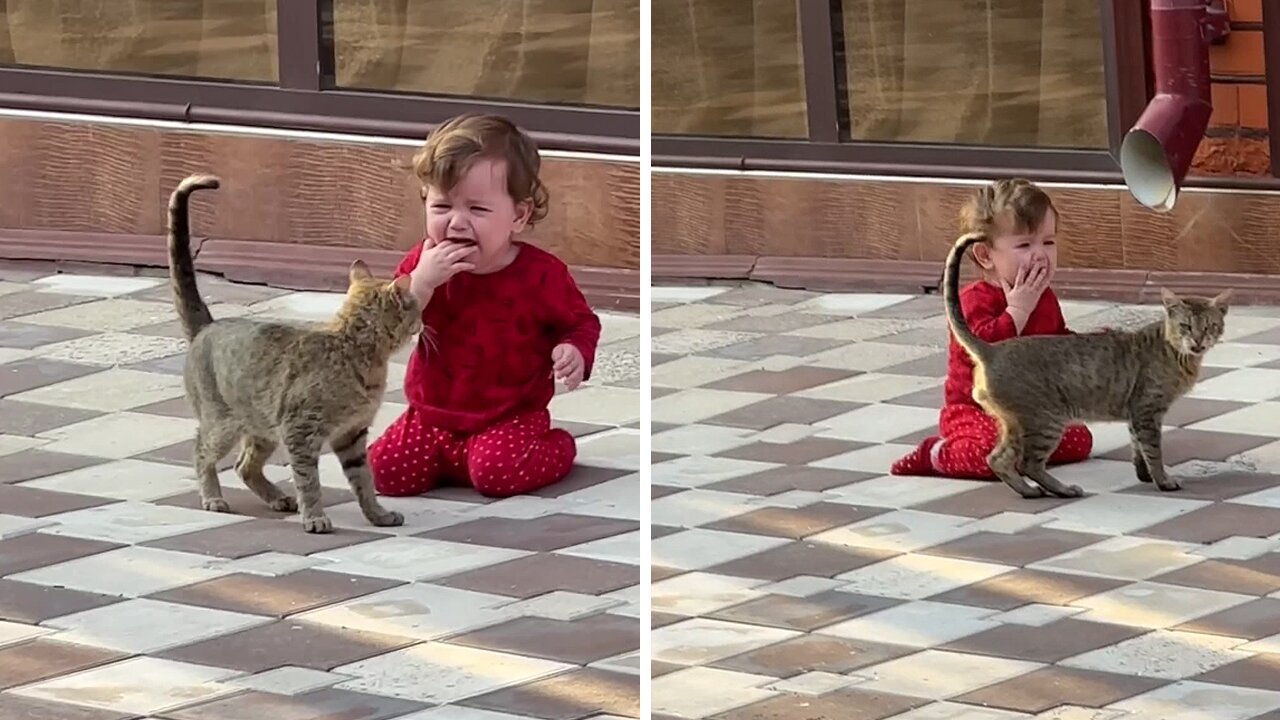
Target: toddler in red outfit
(1013,298)
(503,320)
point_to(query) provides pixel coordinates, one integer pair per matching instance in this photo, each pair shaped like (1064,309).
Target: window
(577,52)
(999,72)
(208,39)
(728,68)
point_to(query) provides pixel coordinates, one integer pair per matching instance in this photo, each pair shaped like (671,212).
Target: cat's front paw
(217,505)
(317,524)
(1168,485)
(390,518)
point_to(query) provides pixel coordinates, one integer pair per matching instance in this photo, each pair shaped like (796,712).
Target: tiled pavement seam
(793,578)
(120,599)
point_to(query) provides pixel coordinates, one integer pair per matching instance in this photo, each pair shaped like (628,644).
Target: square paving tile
(1218,521)
(775,481)
(542,534)
(42,658)
(31,603)
(23,376)
(1049,688)
(417,610)
(21,418)
(783,409)
(699,641)
(34,550)
(139,686)
(286,642)
(440,673)
(1252,620)
(1162,654)
(256,536)
(855,704)
(803,613)
(939,675)
(800,558)
(1257,576)
(580,642)
(569,696)
(27,336)
(794,453)
(327,703)
(1046,644)
(796,523)
(1262,671)
(546,572)
(1023,548)
(14,706)
(276,596)
(28,501)
(781,382)
(127,572)
(36,463)
(139,626)
(813,653)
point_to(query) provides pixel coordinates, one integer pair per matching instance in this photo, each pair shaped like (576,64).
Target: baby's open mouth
(462,241)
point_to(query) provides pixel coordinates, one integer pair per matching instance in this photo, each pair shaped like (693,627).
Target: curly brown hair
(454,145)
(1018,203)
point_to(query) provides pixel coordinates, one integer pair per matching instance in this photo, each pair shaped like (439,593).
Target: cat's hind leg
(1037,446)
(1145,433)
(1004,459)
(352,450)
(254,453)
(214,439)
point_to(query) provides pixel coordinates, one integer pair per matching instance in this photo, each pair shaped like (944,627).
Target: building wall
(1238,141)
(115,179)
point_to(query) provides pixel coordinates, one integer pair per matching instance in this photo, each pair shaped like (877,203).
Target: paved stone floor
(119,599)
(794,579)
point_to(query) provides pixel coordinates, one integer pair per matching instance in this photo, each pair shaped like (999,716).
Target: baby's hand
(567,365)
(1028,286)
(440,261)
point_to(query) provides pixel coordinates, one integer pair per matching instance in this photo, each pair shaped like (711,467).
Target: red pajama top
(983,305)
(489,357)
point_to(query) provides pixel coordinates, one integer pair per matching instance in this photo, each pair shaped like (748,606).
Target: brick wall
(1237,142)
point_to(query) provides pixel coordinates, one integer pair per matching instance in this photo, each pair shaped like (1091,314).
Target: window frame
(1125,38)
(304,99)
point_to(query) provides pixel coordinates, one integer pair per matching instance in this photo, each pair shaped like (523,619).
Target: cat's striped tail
(192,310)
(976,346)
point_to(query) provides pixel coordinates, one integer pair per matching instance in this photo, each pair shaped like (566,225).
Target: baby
(503,320)
(1013,298)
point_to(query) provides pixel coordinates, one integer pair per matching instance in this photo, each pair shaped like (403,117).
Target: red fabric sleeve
(575,322)
(410,260)
(986,317)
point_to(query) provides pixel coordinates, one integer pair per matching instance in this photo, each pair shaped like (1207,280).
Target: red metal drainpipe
(1157,151)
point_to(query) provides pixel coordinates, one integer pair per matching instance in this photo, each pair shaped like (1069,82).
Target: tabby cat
(1034,386)
(267,383)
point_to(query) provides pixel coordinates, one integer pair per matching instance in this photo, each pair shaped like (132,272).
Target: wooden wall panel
(116,179)
(1102,228)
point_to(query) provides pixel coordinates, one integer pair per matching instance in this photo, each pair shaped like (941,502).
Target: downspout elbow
(1157,152)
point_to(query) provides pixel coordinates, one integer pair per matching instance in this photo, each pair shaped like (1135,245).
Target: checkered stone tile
(121,599)
(945,599)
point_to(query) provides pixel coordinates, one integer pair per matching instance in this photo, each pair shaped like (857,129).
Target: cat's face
(389,304)
(1193,325)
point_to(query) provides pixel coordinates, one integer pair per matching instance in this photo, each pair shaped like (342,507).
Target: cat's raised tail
(976,346)
(192,309)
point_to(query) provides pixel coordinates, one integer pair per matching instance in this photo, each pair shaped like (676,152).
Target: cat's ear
(1169,298)
(402,283)
(359,271)
(1222,299)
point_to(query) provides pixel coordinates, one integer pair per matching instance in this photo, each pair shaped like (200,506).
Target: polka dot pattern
(968,437)
(513,457)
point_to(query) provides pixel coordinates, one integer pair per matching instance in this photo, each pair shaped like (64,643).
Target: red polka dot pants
(968,435)
(513,457)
